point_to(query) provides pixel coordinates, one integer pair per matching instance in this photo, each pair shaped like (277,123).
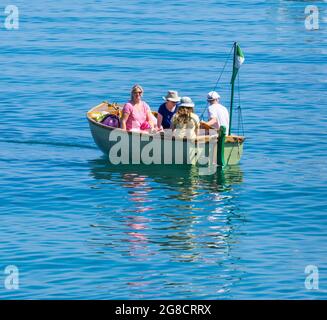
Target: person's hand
(152,130)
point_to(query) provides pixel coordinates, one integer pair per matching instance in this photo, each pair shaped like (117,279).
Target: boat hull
(124,147)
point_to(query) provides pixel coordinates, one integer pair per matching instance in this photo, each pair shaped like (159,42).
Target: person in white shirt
(218,114)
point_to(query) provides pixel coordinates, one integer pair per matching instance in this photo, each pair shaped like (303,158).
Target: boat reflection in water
(167,214)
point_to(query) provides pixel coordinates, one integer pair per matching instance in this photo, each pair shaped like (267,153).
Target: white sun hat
(213,95)
(186,102)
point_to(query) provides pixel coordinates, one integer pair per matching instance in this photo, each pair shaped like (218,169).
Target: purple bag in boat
(111,121)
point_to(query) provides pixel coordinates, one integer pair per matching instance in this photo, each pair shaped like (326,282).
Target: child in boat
(167,110)
(218,114)
(136,113)
(185,122)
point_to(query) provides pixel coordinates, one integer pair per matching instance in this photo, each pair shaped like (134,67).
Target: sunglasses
(137,92)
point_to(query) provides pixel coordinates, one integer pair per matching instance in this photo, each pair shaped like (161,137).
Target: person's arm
(149,119)
(124,119)
(212,121)
(173,122)
(211,116)
(197,130)
(149,115)
(197,126)
(159,121)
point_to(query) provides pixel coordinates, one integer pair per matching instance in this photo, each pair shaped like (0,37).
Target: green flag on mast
(238,61)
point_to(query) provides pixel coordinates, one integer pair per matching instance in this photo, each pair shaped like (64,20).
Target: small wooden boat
(219,149)
(127,147)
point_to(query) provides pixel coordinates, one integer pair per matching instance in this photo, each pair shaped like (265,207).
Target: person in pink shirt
(136,113)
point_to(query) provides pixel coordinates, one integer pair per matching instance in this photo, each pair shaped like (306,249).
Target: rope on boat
(240,125)
(230,52)
(221,73)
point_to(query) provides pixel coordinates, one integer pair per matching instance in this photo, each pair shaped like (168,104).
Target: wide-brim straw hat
(172,96)
(186,102)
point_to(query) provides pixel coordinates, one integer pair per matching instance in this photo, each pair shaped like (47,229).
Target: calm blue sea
(78,228)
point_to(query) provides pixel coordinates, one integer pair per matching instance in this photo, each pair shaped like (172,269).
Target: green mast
(237,62)
(232,93)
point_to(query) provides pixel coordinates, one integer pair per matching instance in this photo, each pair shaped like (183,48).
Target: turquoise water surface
(79,228)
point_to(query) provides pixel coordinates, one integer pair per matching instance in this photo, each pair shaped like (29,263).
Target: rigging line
(230,52)
(240,118)
(218,80)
